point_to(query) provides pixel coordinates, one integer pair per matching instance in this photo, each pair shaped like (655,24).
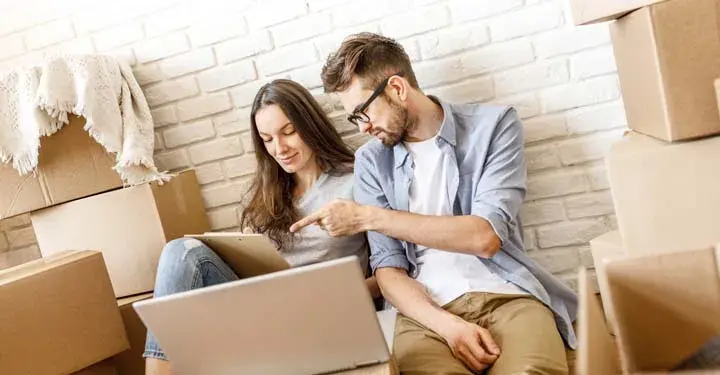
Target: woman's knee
(181,250)
(178,265)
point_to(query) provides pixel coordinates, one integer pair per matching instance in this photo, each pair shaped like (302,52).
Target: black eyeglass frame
(359,116)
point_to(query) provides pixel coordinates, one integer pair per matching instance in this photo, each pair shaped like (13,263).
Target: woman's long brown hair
(271,209)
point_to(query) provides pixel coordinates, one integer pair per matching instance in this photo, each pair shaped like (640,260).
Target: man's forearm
(410,298)
(464,234)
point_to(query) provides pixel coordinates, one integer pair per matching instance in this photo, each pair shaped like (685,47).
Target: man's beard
(399,128)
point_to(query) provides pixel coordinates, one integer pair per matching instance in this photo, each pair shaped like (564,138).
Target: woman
(302,164)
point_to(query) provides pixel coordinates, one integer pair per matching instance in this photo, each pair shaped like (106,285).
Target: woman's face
(281,139)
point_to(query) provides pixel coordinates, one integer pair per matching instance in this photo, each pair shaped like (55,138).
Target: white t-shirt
(446,275)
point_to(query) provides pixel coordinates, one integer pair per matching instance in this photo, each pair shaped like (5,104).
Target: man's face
(388,119)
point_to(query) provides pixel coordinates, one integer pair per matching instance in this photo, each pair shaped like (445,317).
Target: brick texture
(201,62)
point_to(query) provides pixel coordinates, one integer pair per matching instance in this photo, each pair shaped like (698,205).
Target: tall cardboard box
(58,315)
(129,226)
(591,11)
(71,165)
(668,57)
(666,195)
(604,248)
(131,361)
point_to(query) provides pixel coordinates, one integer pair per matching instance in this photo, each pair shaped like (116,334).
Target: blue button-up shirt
(484,144)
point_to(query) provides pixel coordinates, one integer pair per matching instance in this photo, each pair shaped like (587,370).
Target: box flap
(18,194)
(665,306)
(127,301)
(596,354)
(73,165)
(180,206)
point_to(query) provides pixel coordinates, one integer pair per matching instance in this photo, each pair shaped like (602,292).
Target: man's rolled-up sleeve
(500,190)
(385,251)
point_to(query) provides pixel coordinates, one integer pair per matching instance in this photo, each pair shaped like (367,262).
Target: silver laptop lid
(307,320)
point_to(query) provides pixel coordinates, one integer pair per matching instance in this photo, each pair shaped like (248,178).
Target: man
(439,196)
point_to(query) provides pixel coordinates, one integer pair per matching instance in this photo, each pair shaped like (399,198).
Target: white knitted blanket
(36,101)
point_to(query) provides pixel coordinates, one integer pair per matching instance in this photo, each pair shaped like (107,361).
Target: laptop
(247,254)
(309,320)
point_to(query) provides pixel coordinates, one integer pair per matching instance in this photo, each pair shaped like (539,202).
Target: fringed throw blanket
(37,101)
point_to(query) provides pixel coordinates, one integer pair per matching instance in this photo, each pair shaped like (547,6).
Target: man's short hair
(370,57)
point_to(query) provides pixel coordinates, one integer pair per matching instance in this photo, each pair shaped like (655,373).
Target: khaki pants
(523,327)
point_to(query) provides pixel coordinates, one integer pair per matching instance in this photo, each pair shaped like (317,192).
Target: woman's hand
(338,218)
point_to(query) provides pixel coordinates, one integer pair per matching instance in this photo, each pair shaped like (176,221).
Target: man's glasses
(358,116)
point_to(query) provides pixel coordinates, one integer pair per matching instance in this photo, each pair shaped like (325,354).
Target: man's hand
(338,218)
(470,343)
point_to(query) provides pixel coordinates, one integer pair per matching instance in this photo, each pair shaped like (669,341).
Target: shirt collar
(447,133)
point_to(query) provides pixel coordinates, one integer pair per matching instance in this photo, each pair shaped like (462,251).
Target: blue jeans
(186,264)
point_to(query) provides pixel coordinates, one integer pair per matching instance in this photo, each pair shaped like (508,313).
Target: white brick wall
(200,63)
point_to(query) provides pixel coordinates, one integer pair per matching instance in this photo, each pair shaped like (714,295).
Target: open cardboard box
(71,165)
(666,307)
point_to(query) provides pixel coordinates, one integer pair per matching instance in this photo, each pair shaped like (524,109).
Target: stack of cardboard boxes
(658,275)
(71,311)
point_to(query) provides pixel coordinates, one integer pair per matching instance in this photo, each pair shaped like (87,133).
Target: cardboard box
(105,367)
(71,165)
(676,292)
(592,11)
(666,195)
(130,226)
(605,248)
(58,315)
(131,361)
(666,306)
(668,57)
(679,292)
